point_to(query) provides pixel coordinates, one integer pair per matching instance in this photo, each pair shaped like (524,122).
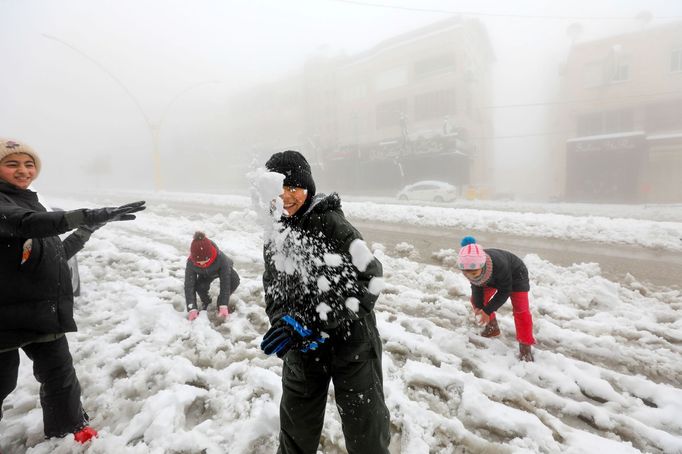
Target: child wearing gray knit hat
(9,147)
(36,308)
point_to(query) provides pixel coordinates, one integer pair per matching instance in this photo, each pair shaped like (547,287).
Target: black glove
(287,333)
(91,228)
(95,218)
(109,214)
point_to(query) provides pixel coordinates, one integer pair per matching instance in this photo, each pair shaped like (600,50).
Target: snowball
(361,254)
(353,304)
(323,284)
(376,285)
(323,309)
(333,259)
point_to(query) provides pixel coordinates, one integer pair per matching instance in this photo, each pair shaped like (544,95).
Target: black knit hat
(295,169)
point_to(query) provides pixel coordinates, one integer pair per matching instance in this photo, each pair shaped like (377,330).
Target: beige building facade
(622,116)
(410,108)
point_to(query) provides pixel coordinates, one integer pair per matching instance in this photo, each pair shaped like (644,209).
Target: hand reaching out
(481,317)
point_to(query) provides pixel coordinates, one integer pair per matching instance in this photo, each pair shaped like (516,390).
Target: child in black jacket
(321,284)
(206,263)
(497,275)
(36,299)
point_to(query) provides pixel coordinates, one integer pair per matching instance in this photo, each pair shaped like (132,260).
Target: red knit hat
(201,249)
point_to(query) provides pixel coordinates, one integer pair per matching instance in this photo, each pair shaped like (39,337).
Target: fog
(180,95)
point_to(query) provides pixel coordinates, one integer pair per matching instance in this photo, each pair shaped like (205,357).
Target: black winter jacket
(222,268)
(36,297)
(509,275)
(309,273)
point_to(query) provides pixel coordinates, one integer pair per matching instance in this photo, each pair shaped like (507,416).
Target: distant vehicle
(429,190)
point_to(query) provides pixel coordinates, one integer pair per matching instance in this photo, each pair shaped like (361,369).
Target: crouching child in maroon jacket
(206,263)
(497,275)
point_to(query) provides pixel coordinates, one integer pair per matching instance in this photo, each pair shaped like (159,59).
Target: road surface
(652,266)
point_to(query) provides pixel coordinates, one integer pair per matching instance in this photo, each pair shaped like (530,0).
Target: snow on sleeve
(361,254)
(333,260)
(376,285)
(323,284)
(323,309)
(353,304)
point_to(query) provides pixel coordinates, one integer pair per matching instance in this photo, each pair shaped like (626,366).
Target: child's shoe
(223,312)
(85,434)
(525,353)
(491,329)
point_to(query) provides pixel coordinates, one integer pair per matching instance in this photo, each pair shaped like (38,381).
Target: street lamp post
(153,128)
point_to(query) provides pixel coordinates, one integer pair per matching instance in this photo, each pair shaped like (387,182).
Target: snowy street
(606,376)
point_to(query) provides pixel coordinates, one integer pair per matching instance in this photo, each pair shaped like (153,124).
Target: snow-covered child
(321,283)
(206,263)
(495,276)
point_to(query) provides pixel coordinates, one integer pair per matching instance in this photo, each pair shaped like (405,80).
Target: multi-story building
(622,116)
(410,108)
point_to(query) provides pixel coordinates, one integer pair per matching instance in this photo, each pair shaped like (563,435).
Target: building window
(390,112)
(353,91)
(664,117)
(440,64)
(615,68)
(676,60)
(620,71)
(393,78)
(593,74)
(608,122)
(434,104)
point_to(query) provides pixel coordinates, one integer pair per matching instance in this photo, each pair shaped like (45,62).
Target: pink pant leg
(523,320)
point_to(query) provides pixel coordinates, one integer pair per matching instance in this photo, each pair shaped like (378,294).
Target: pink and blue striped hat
(471,256)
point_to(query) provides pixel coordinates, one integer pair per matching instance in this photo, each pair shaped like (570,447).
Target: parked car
(429,190)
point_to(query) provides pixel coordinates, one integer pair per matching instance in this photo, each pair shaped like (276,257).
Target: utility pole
(153,128)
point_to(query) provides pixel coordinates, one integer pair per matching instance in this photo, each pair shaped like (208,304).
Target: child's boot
(491,329)
(85,434)
(223,312)
(525,353)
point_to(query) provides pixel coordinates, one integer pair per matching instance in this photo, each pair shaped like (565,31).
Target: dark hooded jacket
(222,268)
(36,297)
(509,275)
(309,273)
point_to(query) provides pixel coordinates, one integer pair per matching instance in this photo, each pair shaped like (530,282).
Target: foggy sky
(182,59)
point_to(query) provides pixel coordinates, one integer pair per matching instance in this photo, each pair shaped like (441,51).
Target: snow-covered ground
(606,377)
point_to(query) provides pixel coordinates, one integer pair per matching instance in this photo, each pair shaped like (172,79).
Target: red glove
(193,314)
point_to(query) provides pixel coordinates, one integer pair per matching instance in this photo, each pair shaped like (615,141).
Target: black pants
(358,388)
(60,392)
(203,285)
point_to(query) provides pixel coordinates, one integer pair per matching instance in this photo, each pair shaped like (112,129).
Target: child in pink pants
(497,275)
